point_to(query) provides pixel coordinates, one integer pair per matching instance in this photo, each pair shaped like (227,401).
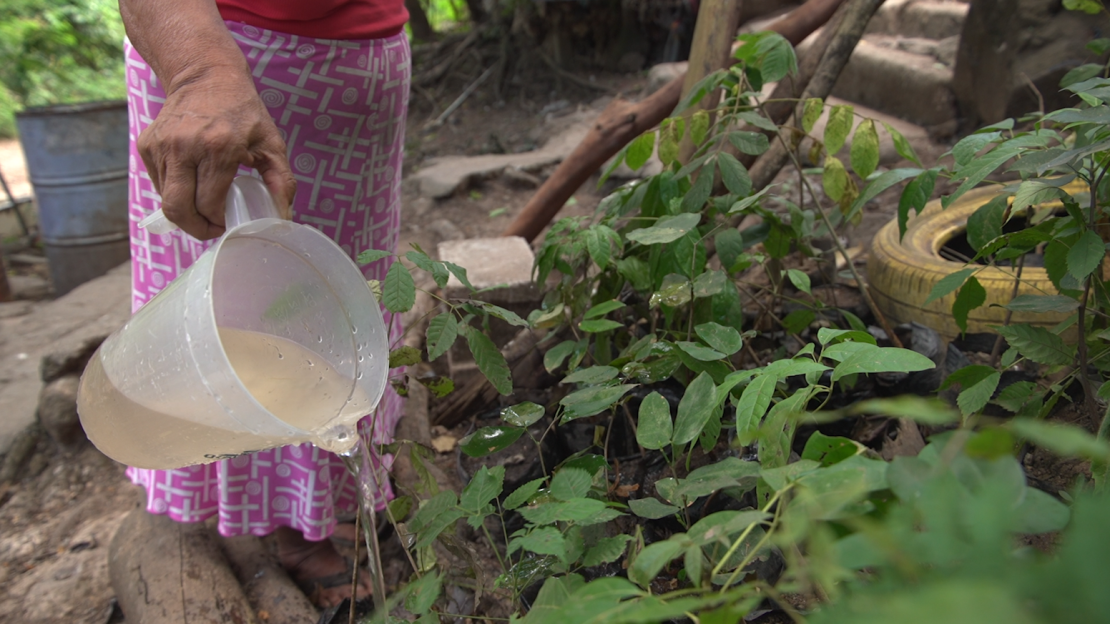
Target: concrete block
(504,264)
(909,86)
(928,19)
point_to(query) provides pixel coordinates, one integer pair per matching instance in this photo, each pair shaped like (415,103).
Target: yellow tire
(902,274)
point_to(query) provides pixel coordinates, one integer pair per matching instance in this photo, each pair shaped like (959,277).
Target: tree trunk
(418,20)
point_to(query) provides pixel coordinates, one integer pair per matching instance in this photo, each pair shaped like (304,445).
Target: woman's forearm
(182,40)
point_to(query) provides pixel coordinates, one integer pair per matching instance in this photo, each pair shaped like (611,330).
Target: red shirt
(321,19)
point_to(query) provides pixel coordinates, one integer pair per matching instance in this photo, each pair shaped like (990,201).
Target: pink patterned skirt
(340,106)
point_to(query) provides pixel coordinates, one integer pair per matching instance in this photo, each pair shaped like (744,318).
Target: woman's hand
(206,129)
(212,121)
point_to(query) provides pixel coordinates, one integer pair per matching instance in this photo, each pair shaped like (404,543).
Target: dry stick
(714,33)
(462,98)
(622,121)
(354,575)
(440,70)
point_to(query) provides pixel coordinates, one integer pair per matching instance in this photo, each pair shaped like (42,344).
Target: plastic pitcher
(272,337)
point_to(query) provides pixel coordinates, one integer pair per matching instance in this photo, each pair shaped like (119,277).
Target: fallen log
(623,121)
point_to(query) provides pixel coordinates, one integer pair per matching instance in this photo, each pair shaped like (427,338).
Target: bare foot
(318,568)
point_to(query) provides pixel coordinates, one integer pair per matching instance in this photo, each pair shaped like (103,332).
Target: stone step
(925,19)
(909,86)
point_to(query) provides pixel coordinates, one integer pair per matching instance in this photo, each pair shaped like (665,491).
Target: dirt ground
(58,519)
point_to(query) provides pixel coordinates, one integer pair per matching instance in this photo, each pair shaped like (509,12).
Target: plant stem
(864,288)
(743,536)
(996,350)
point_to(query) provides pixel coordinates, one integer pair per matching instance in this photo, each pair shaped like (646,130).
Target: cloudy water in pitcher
(293,383)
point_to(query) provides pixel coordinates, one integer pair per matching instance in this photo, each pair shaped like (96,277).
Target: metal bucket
(77,159)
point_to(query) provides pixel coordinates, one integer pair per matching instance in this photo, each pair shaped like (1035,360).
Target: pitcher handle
(247,199)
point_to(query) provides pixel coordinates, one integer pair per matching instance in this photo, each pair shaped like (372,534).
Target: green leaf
(398,289)
(674,291)
(694,409)
(597,244)
(885,180)
(985,224)
(510,317)
(522,414)
(971,296)
(422,594)
(978,384)
(751,143)
(460,274)
(666,230)
(948,283)
(654,428)
(828,450)
(700,353)
(404,356)
(651,508)
(834,179)
(1015,396)
(709,283)
(599,325)
(721,337)
(754,402)
(372,255)
(555,356)
(882,360)
(730,244)
(1038,344)
(734,174)
(1033,192)
(542,541)
(602,309)
(441,334)
(523,494)
(902,146)
(639,151)
(670,132)
(799,279)
(439,386)
(1085,255)
(865,149)
(435,516)
(484,486)
(748,202)
(811,113)
(489,360)
(591,375)
(606,550)
(1042,303)
(1062,439)
(699,126)
(1091,7)
(838,128)
(570,483)
(592,400)
(797,321)
(489,440)
(927,411)
(699,193)
(437,269)
(651,560)
(828,335)
(916,195)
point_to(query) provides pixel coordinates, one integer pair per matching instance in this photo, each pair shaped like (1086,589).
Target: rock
(166,572)
(503,263)
(29,287)
(15,309)
(1006,45)
(69,356)
(927,19)
(518,178)
(659,75)
(916,45)
(946,51)
(276,599)
(909,86)
(58,411)
(22,448)
(445,230)
(421,206)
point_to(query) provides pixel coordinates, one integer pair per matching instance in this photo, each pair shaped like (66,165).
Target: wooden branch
(623,121)
(714,34)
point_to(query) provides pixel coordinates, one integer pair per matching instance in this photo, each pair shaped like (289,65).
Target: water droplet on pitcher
(280,356)
(310,363)
(319,339)
(354,330)
(359,375)
(360,358)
